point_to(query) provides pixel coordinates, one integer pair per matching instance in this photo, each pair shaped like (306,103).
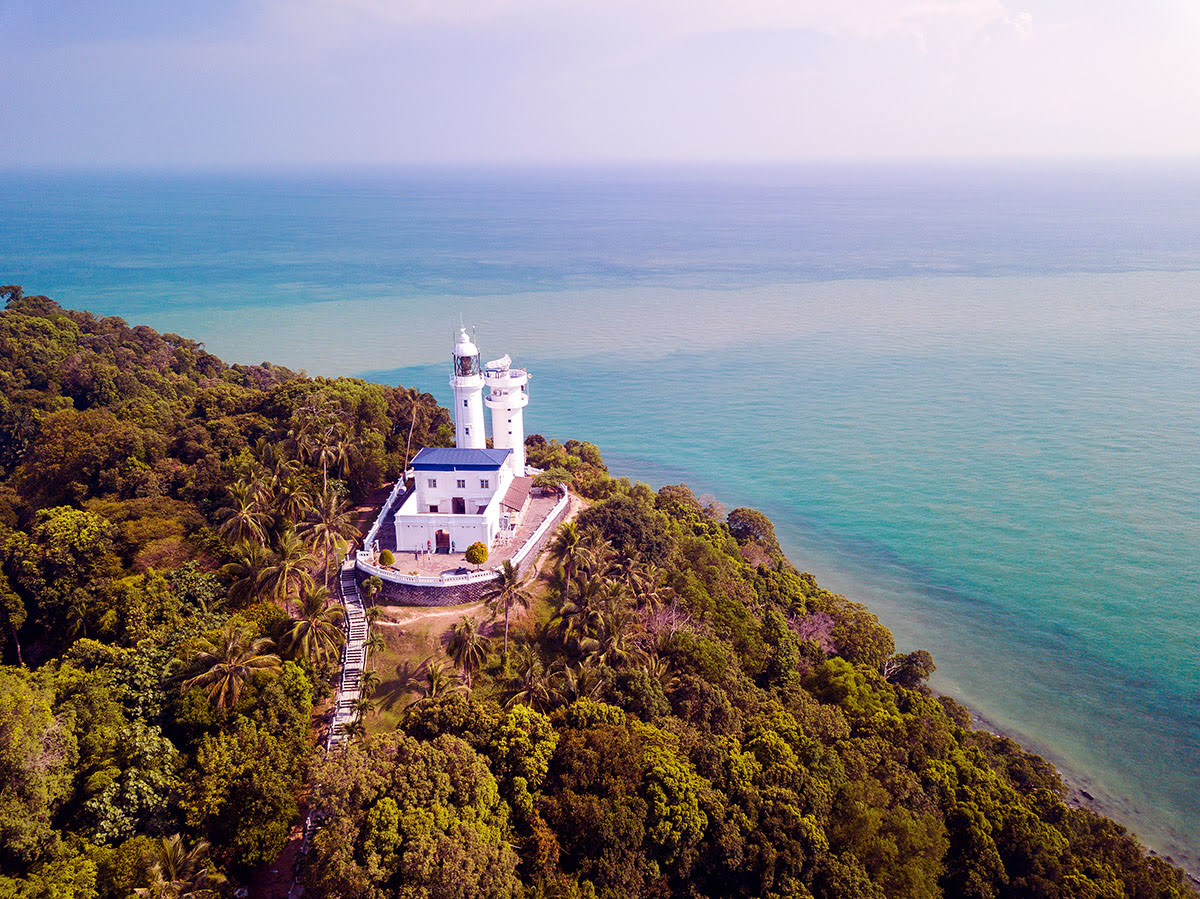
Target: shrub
(476,553)
(386,558)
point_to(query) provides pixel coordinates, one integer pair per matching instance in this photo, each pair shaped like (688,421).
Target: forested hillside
(679,713)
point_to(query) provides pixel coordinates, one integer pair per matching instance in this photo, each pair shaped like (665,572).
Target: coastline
(1080,796)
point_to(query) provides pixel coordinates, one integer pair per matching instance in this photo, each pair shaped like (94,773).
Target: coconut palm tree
(370,682)
(437,683)
(659,668)
(316,632)
(612,644)
(577,682)
(363,708)
(288,571)
(468,647)
(292,501)
(244,519)
(645,583)
(532,685)
(374,643)
(507,590)
(246,571)
(225,665)
(177,872)
(565,550)
(328,522)
(371,589)
(595,552)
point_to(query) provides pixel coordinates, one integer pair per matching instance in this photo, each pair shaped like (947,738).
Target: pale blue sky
(217,83)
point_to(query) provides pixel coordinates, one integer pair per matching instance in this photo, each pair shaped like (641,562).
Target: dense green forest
(680,712)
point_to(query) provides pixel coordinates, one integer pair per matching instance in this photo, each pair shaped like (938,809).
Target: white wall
(447,488)
(416,529)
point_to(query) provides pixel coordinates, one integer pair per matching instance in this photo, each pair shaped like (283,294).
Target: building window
(432,482)
(461,484)
(484,484)
(467,431)
(464,403)
(433,508)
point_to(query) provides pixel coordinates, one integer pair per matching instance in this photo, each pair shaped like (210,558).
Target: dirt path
(408,616)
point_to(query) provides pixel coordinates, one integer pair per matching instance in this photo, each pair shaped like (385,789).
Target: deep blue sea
(967,396)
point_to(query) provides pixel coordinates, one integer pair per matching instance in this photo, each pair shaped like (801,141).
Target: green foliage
(476,553)
(37,762)
(386,558)
(411,819)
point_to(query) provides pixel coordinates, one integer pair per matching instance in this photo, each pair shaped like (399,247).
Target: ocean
(967,396)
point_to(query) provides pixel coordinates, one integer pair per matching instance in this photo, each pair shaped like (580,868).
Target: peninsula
(655,704)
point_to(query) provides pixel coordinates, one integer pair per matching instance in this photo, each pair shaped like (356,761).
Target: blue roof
(454,459)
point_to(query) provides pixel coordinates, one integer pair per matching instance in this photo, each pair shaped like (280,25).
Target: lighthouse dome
(465,347)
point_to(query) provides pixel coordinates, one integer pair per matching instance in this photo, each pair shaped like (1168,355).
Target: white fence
(391,501)
(422,580)
(519,557)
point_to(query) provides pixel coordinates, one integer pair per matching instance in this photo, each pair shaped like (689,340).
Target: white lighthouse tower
(508,397)
(467,382)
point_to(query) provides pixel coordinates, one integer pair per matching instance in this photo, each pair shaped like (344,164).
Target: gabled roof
(517,494)
(455,459)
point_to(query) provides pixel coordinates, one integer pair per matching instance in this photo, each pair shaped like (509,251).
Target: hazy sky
(300,82)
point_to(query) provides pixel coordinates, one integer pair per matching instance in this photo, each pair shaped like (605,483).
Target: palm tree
(370,682)
(532,685)
(292,500)
(326,453)
(645,582)
(371,588)
(363,708)
(415,409)
(564,553)
(437,682)
(612,644)
(225,665)
(578,682)
(507,590)
(181,873)
(374,643)
(316,633)
(595,551)
(246,571)
(288,571)
(244,520)
(329,521)
(659,668)
(468,647)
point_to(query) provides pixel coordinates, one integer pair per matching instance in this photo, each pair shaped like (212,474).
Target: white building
(470,493)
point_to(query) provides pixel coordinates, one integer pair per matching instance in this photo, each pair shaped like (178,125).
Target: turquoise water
(970,399)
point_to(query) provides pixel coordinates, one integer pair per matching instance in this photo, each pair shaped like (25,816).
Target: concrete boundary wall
(458,589)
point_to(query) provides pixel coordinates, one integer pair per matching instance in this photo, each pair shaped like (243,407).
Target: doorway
(458,506)
(442,540)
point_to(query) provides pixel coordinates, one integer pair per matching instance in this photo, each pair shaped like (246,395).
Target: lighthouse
(507,398)
(467,382)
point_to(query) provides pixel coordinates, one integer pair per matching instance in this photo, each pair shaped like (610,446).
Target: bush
(477,553)
(386,558)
